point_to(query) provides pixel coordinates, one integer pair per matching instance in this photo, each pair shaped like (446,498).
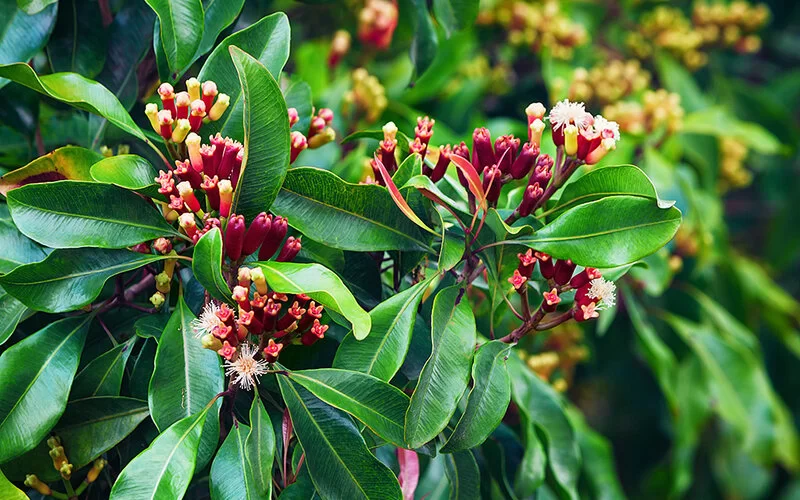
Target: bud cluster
(499,78)
(340,46)
(367,98)
(186,111)
(658,110)
(732,173)
(608,82)
(319,132)
(377,21)
(731,25)
(561,352)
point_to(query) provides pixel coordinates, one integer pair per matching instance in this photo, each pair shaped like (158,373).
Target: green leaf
(11,312)
(69,162)
(266,137)
(127,171)
(337,457)
(298,96)
(613,231)
(88,428)
(268,41)
(77,91)
(185,378)
(18,249)
(86,214)
(381,354)
(207,266)
(677,78)
(426,41)
(455,15)
(219,14)
(378,405)
(24,31)
(231,477)
(181,29)
(322,285)
(463,475)
(70,278)
(165,468)
(78,42)
(103,375)
(721,123)
(259,448)
(598,460)
(9,491)
(541,406)
(360,217)
(41,367)
(487,401)
(445,375)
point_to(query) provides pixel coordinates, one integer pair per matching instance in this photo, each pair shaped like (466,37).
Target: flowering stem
(159,153)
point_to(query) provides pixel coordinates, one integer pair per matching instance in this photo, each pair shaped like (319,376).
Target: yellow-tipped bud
(570,140)
(182,128)
(158,299)
(31,481)
(219,107)
(257,275)
(536,110)
(163,282)
(151,110)
(211,342)
(193,88)
(389,131)
(97,466)
(323,138)
(536,129)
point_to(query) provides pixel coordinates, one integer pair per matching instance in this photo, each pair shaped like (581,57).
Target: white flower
(207,320)
(245,370)
(603,290)
(569,113)
(605,126)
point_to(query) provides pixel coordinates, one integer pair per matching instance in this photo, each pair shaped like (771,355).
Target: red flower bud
(505,148)
(530,198)
(234,237)
(227,351)
(441,164)
(326,114)
(424,130)
(256,233)
(313,312)
(274,238)
(272,351)
(225,314)
(211,189)
(526,263)
(293,117)
(482,152)
(541,175)
(316,332)
(219,148)
(518,280)
(298,144)
(584,277)
(167,94)
(551,300)
(197,114)
(290,249)
(387,149)
(492,183)
(585,312)
(165,123)
(209,93)
(563,271)
(225,167)
(182,102)
(522,165)
(184,170)
(545,264)
(188,197)
(237,168)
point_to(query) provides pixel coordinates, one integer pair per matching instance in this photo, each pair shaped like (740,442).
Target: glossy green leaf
(69,162)
(598,460)
(721,123)
(181,29)
(165,468)
(487,401)
(265,137)
(463,475)
(381,354)
(268,41)
(86,214)
(24,30)
(426,40)
(70,278)
(9,491)
(360,217)
(103,375)
(11,312)
(445,375)
(259,448)
(218,15)
(41,367)
(337,457)
(378,405)
(322,285)
(207,266)
(231,477)
(127,171)
(613,231)
(78,42)
(298,96)
(18,249)
(77,91)
(185,378)
(455,15)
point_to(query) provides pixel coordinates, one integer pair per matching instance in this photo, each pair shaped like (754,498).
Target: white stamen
(569,113)
(603,291)
(602,125)
(207,320)
(246,370)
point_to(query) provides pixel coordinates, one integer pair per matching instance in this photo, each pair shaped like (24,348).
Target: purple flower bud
(563,271)
(529,199)
(256,233)
(290,249)
(506,147)
(522,165)
(482,152)
(441,165)
(274,238)
(234,237)
(492,183)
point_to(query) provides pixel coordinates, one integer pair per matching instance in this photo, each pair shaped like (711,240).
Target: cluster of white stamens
(205,323)
(603,291)
(569,113)
(245,369)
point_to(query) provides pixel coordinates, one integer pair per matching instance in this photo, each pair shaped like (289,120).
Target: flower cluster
(658,110)
(186,111)
(319,132)
(732,172)
(340,46)
(377,22)
(560,352)
(263,317)
(608,82)
(366,99)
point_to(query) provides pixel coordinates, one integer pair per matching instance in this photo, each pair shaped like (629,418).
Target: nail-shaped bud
(237,168)
(313,312)
(316,126)
(441,164)
(162,246)
(550,300)
(225,314)
(518,280)
(290,249)
(327,135)
(176,204)
(243,276)
(219,147)
(163,282)
(165,124)
(151,111)
(188,197)
(294,117)
(274,238)
(563,271)
(182,102)
(242,297)
(209,93)
(193,88)
(188,224)
(326,114)
(545,264)
(167,94)
(225,167)
(505,149)
(585,312)
(256,233)
(192,142)
(227,351)
(182,128)
(298,143)
(482,153)
(167,182)
(570,140)
(225,197)
(157,299)
(535,130)
(234,237)
(272,351)
(198,112)
(599,152)
(210,186)
(527,261)
(530,198)
(31,481)
(210,342)
(492,183)
(219,107)
(94,472)
(535,110)
(584,277)
(418,147)
(183,170)
(314,334)
(258,278)
(522,165)
(541,175)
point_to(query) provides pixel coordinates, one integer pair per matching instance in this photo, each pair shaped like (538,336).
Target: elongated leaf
(185,378)
(78,42)
(348,216)
(231,477)
(322,285)
(378,405)
(463,474)
(455,15)
(165,468)
(11,312)
(337,457)
(265,138)
(24,31)
(381,354)
(445,375)
(598,460)
(207,266)
(487,401)
(127,171)
(218,15)
(70,278)
(268,41)
(9,491)
(103,376)
(426,40)
(397,197)
(69,162)
(181,29)
(610,232)
(86,214)
(259,448)
(18,249)
(77,91)
(42,367)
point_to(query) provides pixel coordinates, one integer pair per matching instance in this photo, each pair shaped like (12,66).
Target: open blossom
(603,291)
(569,113)
(606,128)
(207,320)
(245,369)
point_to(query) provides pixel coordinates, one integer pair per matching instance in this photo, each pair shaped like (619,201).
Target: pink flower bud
(274,238)
(188,224)
(167,94)
(193,148)
(210,186)
(518,280)
(506,147)
(234,237)
(424,129)
(256,233)
(185,172)
(316,333)
(162,246)
(165,122)
(441,164)
(188,197)
(182,102)
(225,197)
(522,165)
(197,114)
(551,300)
(290,249)
(293,117)
(272,351)
(327,115)
(242,297)
(585,312)
(298,143)
(227,351)
(584,277)
(526,263)
(209,93)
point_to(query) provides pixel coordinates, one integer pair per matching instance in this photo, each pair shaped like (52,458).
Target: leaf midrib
(592,235)
(80,274)
(389,330)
